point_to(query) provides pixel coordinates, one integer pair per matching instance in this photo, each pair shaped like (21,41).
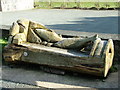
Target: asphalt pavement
(98,21)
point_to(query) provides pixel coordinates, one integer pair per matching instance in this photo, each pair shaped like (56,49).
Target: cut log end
(109,53)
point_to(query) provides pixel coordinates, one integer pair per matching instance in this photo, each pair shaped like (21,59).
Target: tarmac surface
(102,21)
(86,22)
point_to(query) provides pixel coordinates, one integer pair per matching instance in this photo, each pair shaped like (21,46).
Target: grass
(77,4)
(3,42)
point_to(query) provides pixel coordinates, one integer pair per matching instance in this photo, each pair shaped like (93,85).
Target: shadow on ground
(90,24)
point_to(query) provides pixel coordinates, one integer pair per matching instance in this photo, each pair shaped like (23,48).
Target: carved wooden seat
(97,62)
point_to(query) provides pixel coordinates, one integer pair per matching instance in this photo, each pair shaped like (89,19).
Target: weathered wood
(35,25)
(74,43)
(48,35)
(96,59)
(24,25)
(34,39)
(12,53)
(94,46)
(14,29)
(108,55)
(19,38)
(55,57)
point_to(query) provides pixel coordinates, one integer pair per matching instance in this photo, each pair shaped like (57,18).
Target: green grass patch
(3,41)
(76,4)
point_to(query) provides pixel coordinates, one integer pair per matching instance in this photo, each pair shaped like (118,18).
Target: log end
(109,54)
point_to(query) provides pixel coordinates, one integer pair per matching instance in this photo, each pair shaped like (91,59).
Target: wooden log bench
(94,63)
